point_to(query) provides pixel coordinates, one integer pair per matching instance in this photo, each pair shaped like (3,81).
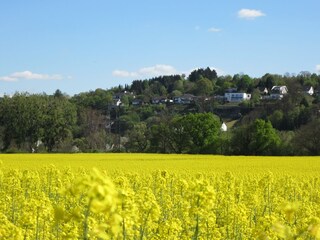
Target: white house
(279,89)
(115,103)
(308,90)
(277,92)
(237,97)
(265,91)
(224,127)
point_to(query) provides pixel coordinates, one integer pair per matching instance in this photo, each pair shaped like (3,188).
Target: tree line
(91,122)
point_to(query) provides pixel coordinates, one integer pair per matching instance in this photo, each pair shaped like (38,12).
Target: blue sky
(81,45)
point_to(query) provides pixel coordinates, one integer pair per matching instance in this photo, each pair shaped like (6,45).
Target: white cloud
(318,68)
(213,29)
(122,73)
(28,75)
(158,70)
(250,14)
(153,71)
(8,79)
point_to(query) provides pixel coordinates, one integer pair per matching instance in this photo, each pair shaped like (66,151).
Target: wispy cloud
(213,29)
(157,70)
(250,14)
(318,68)
(124,74)
(8,79)
(28,75)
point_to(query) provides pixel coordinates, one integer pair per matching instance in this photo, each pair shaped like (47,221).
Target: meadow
(150,196)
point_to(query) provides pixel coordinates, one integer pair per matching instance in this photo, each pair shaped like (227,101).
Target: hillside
(271,115)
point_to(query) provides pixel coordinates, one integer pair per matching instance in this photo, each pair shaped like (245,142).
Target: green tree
(99,99)
(244,83)
(255,97)
(258,138)
(175,93)
(265,139)
(37,107)
(22,118)
(203,129)
(203,87)
(276,119)
(268,81)
(307,139)
(179,137)
(138,138)
(240,140)
(137,86)
(188,86)
(159,139)
(8,119)
(178,85)
(205,73)
(60,119)
(157,88)
(223,83)
(286,147)
(90,132)
(125,100)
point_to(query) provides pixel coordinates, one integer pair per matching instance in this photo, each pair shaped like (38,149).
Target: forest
(146,117)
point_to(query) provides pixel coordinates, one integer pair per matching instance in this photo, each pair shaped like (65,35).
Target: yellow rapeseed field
(150,196)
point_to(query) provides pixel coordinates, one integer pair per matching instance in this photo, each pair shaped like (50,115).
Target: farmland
(148,196)
(177,163)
